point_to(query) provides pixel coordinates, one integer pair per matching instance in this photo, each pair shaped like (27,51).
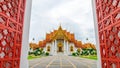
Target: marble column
(52,47)
(67,48)
(64,47)
(55,47)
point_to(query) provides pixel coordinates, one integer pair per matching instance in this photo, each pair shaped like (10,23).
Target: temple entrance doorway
(60,47)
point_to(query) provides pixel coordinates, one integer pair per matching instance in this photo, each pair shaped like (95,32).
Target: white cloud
(74,15)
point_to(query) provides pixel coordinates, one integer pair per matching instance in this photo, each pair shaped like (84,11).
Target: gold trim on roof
(60,34)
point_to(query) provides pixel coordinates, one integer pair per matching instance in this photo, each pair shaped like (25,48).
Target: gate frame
(25,36)
(96,34)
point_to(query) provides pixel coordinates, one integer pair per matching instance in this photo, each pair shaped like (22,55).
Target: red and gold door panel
(108,17)
(11,28)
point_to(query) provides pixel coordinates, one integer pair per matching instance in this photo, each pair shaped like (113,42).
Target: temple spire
(60,27)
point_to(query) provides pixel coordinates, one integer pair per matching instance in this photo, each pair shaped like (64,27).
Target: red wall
(108,17)
(11,25)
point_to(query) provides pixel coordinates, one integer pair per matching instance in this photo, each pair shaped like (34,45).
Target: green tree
(73,54)
(85,52)
(47,54)
(78,52)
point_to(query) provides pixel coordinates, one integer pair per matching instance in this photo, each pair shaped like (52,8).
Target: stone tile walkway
(62,61)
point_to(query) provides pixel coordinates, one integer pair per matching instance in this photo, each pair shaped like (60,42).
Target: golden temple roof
(62,34)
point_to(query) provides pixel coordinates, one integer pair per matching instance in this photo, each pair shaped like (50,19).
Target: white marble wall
(48,44)
(66,47)
(71,44)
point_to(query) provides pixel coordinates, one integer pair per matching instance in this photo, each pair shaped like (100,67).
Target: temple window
(48,48)
(71,48)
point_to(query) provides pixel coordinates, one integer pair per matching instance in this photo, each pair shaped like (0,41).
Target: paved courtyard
(62,61)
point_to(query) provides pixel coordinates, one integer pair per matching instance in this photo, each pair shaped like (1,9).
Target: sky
(74,15)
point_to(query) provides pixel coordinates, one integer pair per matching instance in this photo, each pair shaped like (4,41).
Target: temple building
(60,41)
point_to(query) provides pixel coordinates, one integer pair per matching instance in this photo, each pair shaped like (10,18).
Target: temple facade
(60,41)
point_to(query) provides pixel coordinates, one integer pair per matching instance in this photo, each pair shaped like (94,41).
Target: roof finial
(60,27)
(60,24)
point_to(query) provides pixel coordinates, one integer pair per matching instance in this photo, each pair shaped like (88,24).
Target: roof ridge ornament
(60,27)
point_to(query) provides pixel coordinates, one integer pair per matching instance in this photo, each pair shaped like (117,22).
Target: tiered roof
(60,34)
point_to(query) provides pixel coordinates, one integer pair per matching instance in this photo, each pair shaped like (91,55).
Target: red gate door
(108,17)
(11,25)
